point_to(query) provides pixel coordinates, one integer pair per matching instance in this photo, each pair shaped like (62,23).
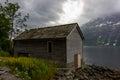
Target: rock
(5,74)
(89,72)
(64,74)
(4,70)
(8,76)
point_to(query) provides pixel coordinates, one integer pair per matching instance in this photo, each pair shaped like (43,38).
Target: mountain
(103,31)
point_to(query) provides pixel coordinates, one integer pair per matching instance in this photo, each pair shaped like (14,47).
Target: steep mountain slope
(103,31)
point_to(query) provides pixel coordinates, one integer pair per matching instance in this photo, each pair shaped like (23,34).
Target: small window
(49,47)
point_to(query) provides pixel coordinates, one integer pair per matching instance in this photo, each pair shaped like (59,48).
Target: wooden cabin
(56,43)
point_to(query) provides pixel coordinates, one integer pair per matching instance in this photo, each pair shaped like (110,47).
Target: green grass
(29,68)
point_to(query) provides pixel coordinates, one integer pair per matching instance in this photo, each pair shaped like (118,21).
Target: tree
(4,29)
(16,19)
(11,21)
(5,43)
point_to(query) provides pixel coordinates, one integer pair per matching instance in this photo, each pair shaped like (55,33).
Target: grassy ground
(29,68)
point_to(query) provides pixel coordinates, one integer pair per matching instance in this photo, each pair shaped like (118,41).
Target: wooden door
(77,60)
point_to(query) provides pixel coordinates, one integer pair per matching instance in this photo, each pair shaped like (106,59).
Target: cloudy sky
(54,12)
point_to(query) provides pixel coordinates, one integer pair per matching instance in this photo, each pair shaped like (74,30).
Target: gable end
(79,31)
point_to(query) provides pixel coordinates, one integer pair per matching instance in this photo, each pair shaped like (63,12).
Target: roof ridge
(52,26)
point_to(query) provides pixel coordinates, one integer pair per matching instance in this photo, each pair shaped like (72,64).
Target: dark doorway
(23,54)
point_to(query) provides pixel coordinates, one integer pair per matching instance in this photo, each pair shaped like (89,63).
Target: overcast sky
(54,12)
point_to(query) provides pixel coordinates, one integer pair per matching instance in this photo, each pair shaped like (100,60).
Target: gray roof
(60,31)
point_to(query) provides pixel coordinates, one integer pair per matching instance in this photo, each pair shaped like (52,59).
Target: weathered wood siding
(74,46)
(39,49)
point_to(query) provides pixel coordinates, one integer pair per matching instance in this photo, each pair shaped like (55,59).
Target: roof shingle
(60,31)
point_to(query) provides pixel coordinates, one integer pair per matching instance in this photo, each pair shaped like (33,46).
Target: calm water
(107,56)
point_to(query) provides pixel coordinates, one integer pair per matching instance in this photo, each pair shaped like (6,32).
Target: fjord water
(102,55)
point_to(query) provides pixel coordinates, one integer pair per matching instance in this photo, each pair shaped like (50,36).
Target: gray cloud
(97,8)
(43,11)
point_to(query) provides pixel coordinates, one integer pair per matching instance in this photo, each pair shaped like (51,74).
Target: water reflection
(101,55)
